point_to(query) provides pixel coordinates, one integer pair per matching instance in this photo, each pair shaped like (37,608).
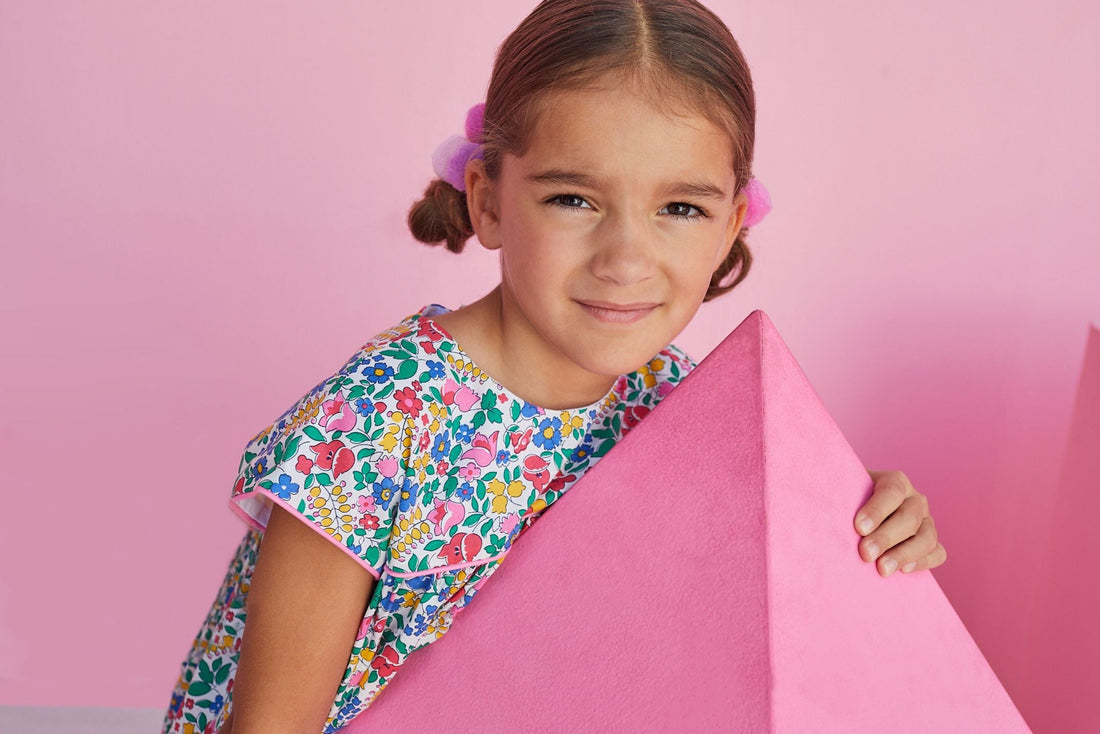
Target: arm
(897,527)
(305,604)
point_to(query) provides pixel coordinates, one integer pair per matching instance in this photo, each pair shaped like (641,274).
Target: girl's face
(609,227)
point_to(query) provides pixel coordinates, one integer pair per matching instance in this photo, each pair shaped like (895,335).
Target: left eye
(682,209)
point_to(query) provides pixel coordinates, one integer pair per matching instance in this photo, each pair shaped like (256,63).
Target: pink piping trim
(234,504)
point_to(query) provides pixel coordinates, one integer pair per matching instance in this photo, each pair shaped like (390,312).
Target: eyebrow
(562,177)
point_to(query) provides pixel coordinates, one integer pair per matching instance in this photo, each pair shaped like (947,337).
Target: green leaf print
(222,675)
(488,400)
(302,506)
(323,479)
(434,545)
(406,370)
(371,554)
(516,408)
(409,346)
(479,419)
(487,526)
(292,446)
(473,519)
(356,392)
(385,391)
(198,688)
(313,433)
(495,415)
(357,437)
(278,453)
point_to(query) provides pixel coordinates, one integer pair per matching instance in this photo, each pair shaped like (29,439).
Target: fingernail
(865,525)
(889,566)
(909,567)
(872,550)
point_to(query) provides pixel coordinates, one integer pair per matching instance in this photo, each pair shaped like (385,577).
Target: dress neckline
(593,409)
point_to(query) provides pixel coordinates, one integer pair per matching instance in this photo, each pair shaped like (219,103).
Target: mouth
(618,313)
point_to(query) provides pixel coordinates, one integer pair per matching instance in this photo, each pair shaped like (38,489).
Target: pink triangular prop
(704,577)
(1064,644)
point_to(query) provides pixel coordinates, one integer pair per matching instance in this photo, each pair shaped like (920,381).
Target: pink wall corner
(201,215)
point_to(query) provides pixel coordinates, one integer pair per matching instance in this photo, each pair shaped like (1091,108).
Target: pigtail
(441,217)
(737,263)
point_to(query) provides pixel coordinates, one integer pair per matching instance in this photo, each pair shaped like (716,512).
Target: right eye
(569,201)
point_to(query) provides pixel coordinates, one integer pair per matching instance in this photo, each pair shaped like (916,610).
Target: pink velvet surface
(1063,643)
(704,577)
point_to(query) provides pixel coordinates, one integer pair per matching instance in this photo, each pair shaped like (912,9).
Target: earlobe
(481,202)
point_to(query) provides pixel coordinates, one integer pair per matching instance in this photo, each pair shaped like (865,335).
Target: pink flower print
(387,467)
(507,525)
(304,465)
(446,515)
(470,472)
(664,389)
(353,681)
(338,414)
(462,396)
(483,448)
(535,471)
(364,627)
(365,503)
(333,456)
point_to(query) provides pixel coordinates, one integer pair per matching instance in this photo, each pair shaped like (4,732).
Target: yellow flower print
(515,488)
(570,423)
(389,441)
(656,364)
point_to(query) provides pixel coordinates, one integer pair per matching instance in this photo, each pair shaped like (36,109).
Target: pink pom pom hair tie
(450,158)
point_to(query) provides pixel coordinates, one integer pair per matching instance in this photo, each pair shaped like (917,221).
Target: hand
(898,531)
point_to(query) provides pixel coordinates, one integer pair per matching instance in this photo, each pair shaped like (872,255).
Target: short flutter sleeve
(333,459)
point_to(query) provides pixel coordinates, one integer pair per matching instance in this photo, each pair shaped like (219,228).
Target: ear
(482,203)
(733,227)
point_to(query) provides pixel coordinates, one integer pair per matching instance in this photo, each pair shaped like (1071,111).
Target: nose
(623,252)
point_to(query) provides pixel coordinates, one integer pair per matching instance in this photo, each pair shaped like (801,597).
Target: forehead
(619,131)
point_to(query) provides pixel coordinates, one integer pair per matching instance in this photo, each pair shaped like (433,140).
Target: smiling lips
(618,313)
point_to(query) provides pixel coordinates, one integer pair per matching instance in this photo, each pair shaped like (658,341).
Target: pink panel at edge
(704,577)
(1064,644)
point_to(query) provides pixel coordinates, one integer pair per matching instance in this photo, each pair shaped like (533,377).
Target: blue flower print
(502,456)
(285,487)
(464,433)
(435,369)
(390,602)
(383,493)
(408,494)
(441,447)
(378,372)
(466,491)
(583,451)
(419,583)
(418,626)
(548,434)
(363,406)
(529,411)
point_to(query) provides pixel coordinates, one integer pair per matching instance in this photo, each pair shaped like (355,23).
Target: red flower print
(463,547)
(520,440)
(238,486)
(408,402)
(304,465)
(559,482)
(633,415)
(385,661)
(430,331)
(369,522)
(535,471)
(333,456)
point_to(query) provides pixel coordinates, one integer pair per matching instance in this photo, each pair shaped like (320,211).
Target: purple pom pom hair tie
(450,158)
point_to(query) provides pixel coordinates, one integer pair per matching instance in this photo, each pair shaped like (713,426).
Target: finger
(932,560)
(891,489)
(911,550)
(903,524)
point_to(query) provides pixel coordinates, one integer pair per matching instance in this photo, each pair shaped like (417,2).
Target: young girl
(611,168)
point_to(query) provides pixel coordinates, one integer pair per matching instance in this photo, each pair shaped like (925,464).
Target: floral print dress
(424,470)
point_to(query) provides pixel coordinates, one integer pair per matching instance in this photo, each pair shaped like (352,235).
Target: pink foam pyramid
(1063,691)
(703,577)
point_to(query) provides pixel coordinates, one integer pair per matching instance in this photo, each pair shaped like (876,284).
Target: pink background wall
(202,215)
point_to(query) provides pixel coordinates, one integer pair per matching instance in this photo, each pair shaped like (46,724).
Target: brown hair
(678,49)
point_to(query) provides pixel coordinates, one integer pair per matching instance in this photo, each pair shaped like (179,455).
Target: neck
(505,345)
